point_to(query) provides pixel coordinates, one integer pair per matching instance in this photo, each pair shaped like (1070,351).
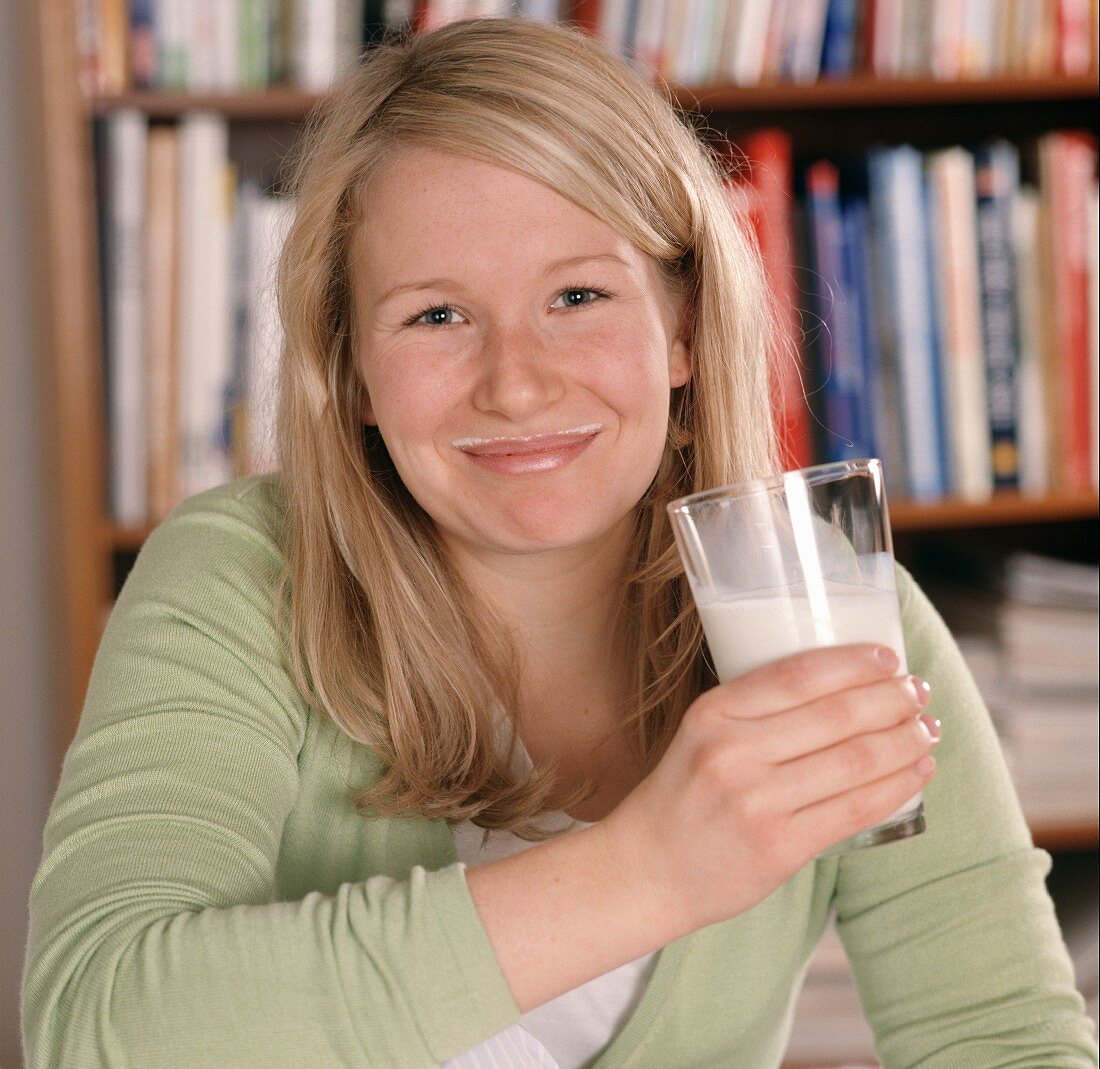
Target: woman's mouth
(528,454)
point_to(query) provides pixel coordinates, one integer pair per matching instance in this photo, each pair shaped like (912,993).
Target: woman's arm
(155,940)
(952,936)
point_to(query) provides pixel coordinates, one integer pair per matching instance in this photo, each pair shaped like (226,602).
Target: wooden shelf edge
(1066,834)
(1003,509)
(865,91)
(289,102)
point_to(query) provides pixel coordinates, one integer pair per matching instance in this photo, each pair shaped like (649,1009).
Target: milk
(752,630)
(749,631)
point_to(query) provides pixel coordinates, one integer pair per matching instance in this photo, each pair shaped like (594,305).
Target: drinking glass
(792,562)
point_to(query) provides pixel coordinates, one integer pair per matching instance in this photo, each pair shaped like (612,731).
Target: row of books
(948,309)
(190,323)
(233,45)
(224,46)
(746,42)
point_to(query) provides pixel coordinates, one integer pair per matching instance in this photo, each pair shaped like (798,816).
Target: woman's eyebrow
(556,265)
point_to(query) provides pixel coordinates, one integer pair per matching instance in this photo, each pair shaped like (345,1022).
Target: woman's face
(518,354)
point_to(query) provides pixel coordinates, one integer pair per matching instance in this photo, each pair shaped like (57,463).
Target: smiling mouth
(527,445)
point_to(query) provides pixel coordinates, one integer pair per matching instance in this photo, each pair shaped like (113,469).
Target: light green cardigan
(209,897)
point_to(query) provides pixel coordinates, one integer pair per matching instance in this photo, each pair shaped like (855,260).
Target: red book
(1067,161)
(761,191)
(585,14)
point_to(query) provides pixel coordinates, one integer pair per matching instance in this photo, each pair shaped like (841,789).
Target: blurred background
(28,635)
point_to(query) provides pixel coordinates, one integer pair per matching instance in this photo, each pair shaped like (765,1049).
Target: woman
(340,718)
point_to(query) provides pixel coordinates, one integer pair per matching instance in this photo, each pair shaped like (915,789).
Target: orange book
(1067,163)
(762,191)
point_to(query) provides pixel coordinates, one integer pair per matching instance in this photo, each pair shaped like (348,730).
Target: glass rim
(812,476)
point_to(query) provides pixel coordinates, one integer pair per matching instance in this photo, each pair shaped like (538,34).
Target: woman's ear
(679,364)
(367,412)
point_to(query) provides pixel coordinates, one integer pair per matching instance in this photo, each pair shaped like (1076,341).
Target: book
(953,220)
(838,50)
(1033,434)
(122,182)
(162,321)
(907,338)
(996,179)
(1067,166)
(840,369)
(266,222)
(762,194)
(205,341)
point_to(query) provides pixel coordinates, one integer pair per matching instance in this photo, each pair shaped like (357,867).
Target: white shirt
(569,1031)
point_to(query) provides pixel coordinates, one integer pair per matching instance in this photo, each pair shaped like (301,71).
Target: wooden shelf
(278,102)
(289,103)
(1002,510)
(1066,834)
(864,91)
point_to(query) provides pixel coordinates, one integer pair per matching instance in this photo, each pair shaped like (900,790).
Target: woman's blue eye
(442,315)
(577,295)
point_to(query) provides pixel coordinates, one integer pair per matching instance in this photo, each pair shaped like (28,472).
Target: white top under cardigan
(567,1032)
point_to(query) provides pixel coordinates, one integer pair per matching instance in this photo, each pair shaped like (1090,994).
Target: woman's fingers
(804,677)
(834,819)
(830,720)
(851,765)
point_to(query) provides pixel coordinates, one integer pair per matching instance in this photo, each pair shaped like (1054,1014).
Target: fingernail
(920,690)
(887,658)
(932,726)
(925,767)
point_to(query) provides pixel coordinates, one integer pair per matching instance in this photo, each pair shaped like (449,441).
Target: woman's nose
(518,373)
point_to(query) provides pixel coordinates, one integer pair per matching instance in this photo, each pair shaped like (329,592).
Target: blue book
(856,223)
(907,334)
(838,51)
(997,181)
(839,370)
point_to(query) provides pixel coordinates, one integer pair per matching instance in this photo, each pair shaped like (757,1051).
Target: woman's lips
(526,454)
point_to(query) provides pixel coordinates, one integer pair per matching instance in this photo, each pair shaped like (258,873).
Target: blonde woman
(410,756)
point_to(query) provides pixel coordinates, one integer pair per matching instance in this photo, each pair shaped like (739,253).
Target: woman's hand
(767,771)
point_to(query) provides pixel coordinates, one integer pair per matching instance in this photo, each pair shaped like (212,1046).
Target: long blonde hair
(381,634)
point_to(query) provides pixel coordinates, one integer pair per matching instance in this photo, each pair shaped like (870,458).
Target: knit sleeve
(952,935)
(156,939)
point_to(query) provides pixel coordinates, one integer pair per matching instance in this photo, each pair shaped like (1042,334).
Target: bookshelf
(822,118)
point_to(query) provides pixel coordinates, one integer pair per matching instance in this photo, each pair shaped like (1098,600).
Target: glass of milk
(792,562)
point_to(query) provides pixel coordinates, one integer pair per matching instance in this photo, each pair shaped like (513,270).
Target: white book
(747,62)
(206,329)
(649,38)
(962,365)
(266,224)
(1031,428)
(805,38)
(127,134)
(226,45)
(202,76)
(327,36)
(948,17)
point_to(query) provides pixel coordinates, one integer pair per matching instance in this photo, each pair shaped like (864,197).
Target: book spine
(161,324)
(772,183)
(954,237)
(205,341)
(124,248)
(996,177)
(857,235)
(143,44)
(1033,433)
(898,207)
(838,52)
(838,370)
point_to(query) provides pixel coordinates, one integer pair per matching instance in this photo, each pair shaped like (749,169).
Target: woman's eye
(442,315)
(575,296)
